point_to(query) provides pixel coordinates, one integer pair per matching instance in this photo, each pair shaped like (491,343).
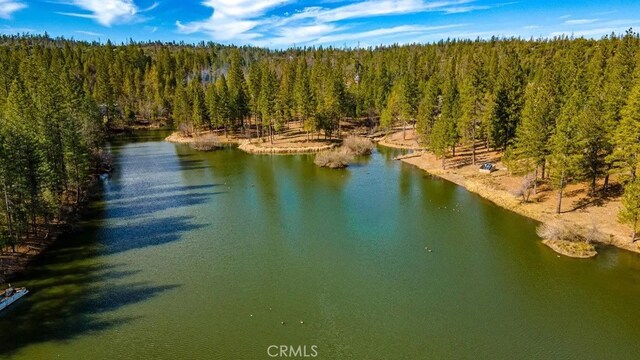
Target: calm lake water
(202,255)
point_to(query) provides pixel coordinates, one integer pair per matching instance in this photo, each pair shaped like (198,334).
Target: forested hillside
(564,109)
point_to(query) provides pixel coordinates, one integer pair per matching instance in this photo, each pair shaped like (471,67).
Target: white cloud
(16,30)
(371,8)
(231,20)
(90,33)
(585,33)
(8,7)
(109,12)
(404,30)
(580,21)
(465,9)
(601,28)
(254,21)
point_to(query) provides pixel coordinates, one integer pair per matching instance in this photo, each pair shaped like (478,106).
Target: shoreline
(253,148)
(15,263)
(488,187)
(507,200)
(283,144)
(568,248)
(177,138)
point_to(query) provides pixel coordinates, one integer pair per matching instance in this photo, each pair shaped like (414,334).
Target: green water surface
(193,255)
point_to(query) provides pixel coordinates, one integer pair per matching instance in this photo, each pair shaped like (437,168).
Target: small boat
(11,295)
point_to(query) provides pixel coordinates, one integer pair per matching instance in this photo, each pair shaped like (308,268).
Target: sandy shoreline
(293,142)
(178,138)
(256,148)
(491,188)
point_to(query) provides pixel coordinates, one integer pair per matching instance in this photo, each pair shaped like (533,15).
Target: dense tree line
(562,109)
(50,137)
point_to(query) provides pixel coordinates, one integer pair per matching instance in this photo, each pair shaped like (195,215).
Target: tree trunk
(535,181)
(77,173)
(8,212)
(404,130)
(473,144)
(443,162)
(560,193)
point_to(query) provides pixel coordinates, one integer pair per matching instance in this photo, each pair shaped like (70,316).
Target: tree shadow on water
(70,292)
(147,233)
(141,206)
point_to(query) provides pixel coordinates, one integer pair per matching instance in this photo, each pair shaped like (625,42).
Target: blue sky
(285,23)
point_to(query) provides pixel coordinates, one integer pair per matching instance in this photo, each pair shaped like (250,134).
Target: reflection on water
(205,255)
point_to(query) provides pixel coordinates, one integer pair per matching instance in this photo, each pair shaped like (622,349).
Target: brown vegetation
(357,145)
(334,159)
(574,249)
(206,144)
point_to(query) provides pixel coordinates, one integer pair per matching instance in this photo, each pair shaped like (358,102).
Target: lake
(191,255)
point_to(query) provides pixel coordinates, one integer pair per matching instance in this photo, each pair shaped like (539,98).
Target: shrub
(593,234)
(205,145)
(525,187)
(334,159)
(559,230)
(358,145)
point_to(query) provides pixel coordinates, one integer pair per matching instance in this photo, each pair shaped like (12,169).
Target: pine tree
(49,116)
(392,112)
(533,134)
(224,111)
(267,99)
(284,99)
(429,108)
(593,131)
(25,164)
(472,99)
(81,132)
(630,211)
(331,101)
(182,109)
(238,99)
(626,139)
(566,152)
(508,102)
(408,100)
(103,90)
(211,102)
(450,115)
(439,140)
(254,86)
(198,108)
(304,95)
